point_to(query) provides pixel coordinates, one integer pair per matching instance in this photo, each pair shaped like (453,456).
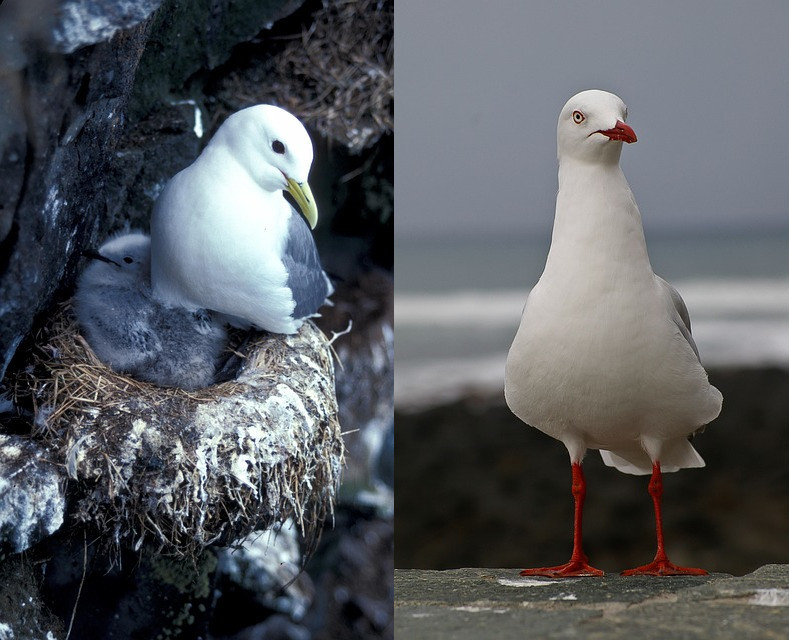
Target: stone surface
(499,604)
(190,38)
(350,573)
(353,578)
(66,115)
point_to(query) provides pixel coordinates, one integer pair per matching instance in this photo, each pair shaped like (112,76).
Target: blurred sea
(458,304)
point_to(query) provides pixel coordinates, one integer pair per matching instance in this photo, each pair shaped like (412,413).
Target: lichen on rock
(32,501)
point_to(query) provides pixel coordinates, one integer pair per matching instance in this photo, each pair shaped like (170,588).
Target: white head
(121,259)
(275,150)
(592,127)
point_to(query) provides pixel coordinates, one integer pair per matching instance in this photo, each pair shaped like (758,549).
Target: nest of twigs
(337,76)
(181,470)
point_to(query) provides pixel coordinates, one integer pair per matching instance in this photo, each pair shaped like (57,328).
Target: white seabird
(135,334)
(604,357)
(224,237)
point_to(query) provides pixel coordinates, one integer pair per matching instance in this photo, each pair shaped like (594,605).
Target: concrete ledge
(499,604)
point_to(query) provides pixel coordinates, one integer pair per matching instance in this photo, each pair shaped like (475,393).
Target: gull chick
(135,334)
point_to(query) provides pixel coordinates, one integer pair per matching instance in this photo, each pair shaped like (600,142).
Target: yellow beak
(302,194)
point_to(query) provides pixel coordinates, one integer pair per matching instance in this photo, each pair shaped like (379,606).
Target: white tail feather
(675,455)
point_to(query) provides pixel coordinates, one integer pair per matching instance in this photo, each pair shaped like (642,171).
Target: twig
(81,582)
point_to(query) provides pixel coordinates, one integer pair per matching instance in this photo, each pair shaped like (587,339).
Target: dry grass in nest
(337,76)
(178,469)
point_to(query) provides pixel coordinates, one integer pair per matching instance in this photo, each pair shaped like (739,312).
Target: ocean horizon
(458,304)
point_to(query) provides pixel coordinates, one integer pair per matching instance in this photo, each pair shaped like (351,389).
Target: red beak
(621,132)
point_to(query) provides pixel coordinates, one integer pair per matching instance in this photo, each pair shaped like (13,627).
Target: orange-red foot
(663,568)
(572,569)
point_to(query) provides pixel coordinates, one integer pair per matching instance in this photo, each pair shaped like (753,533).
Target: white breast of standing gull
(604,357)
(224,237)
(135,334)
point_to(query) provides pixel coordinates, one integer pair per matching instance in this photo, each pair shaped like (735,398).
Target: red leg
(578,564)
(660,566)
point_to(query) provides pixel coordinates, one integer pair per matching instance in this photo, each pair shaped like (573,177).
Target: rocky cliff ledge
(497,603)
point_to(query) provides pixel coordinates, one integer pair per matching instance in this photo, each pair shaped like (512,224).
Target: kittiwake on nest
(223,236)
(179,470)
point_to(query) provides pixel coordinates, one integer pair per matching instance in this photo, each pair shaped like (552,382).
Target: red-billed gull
(604,358)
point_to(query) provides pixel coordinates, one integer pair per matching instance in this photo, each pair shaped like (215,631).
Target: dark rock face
(364,383)
(141,596)
(347,584)
(354,580)
(189,39)
(67,113)
(23,615)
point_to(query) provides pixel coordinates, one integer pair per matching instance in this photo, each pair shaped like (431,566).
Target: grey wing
(306,279)
(680,316)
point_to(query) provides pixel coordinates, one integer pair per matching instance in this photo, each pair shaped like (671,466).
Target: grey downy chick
(135,334)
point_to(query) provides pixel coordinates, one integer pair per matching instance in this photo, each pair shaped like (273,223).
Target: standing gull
(224,237)
(135,334)
(604,357)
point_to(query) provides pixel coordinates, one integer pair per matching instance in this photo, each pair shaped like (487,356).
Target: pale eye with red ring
(578,117)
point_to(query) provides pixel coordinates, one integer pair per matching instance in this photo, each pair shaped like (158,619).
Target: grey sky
(480,86)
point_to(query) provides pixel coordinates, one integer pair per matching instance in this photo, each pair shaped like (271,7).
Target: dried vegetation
(178,469)
(336,76)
